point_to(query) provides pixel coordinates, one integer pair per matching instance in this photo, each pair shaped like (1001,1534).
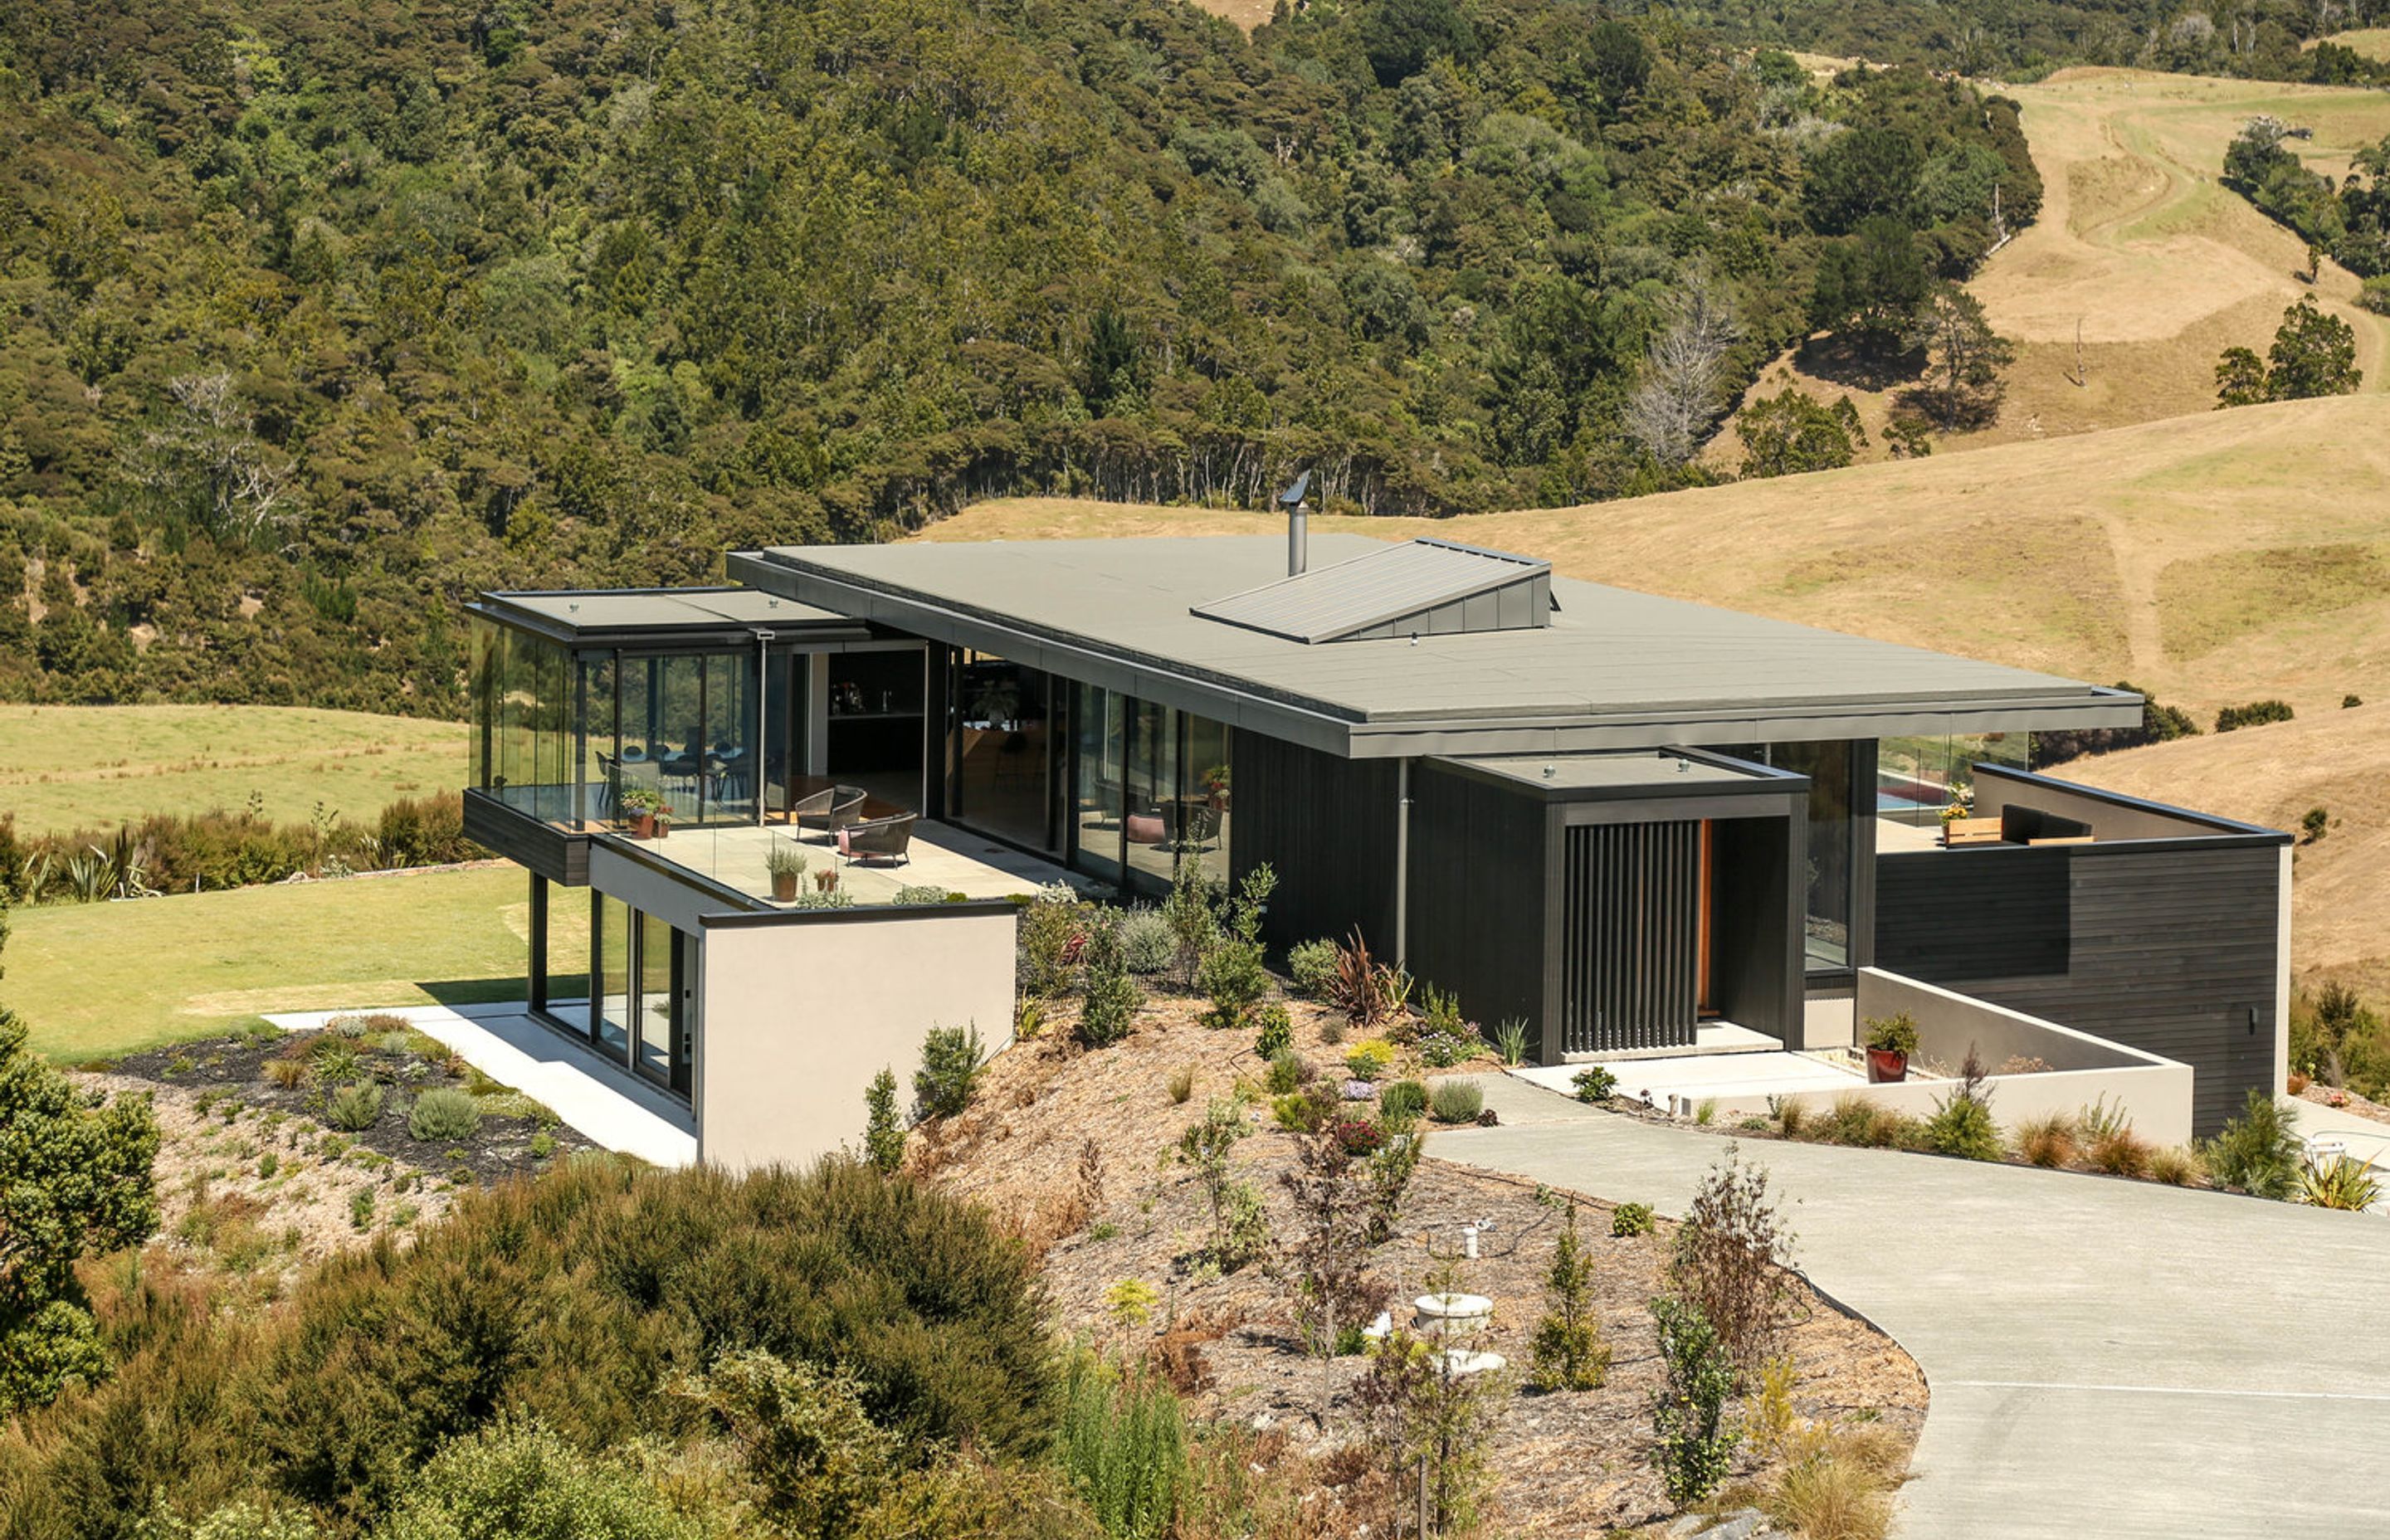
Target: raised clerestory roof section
(1417,588)
(1609,668)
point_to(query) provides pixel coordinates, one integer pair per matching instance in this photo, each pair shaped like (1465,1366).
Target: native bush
(2047,1140)
(1730,1256)
(442,1116)
(1312,965)
(1696,1446)
(952,1059)
(1414,1412)
(1112,998)
(1456,1101)
(1631,1219)
(2256,1151)
(1123,1444)
(1053,930)
(1962,1124)
(1285,1072)
(1568,1352)
(1147,945)
(355,1107)
(1403,1103)
(1511,1040)
(1594,1084)
(2256,713)
(1277,1035)
(884,1133)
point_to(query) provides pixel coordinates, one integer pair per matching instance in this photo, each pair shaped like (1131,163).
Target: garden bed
(233,1076)
(1071,1144)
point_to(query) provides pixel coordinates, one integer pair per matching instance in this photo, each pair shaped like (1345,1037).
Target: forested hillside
(2020,40)
(320,317)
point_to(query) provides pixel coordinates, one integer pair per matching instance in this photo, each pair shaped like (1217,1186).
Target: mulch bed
(1050,1115)
(233,1068)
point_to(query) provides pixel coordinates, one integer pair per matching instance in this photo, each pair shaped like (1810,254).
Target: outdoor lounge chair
(888,838)
(846,807)
(812,802)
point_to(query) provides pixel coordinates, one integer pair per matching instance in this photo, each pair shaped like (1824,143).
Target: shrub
(1181,1084)
(1414,1413)
(952,1059)
(1053,933)
(1855,1120)
(1285,1072)
(2120,1152)
(925,893)
(355,1107)
(1112,998)
(1232,972)
(361,1208)
(1456,1101)
(1146,943)
(1839,1489)
(1440,1012)
(1204,1146)
(1730,1255)
(2339,1182)
(267,1164)
(2374,295)
(1300,1111)
(1276,1034)
(1696,1447)
(1631,1219)
(1962,1124)
(1405,1101)
(816,1459)
(883,1135)
(2256,1151)
(1792,1115)
(1312,965)
(2257,713)
(289,1074)
(1568,1352)
(2178,1166)
(1594,1084)
(1370,1060)
(1511,1040)
(1124,1446)
(1442,1050)
(1359,1135)
(442,1116)
(1369,992)
(2047,1140)
(2313,825)
(522,1481)
(1331,1031)
(1392,1166)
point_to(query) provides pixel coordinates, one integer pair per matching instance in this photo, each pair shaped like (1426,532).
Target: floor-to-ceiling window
(1832,845)
(658,994)
(565,988)
(1000,749)
(1096,779)
(1153,807)
(613,975)
(1151,788)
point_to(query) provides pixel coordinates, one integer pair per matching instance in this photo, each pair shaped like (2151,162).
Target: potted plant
(787,865)
(648,811)
(1890,1041)
(826,880)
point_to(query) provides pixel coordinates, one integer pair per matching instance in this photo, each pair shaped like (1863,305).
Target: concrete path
(2107,1358)
(606,1104)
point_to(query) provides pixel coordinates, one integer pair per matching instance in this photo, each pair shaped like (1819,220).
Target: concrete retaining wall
(800,1016)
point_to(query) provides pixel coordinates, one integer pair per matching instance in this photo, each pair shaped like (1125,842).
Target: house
(1620,819)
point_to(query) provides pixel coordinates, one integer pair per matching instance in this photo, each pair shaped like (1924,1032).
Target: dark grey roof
(1613,668)
(1433,587)
(625,616)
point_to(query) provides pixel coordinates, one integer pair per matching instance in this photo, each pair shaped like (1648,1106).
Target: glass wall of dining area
(641,1012)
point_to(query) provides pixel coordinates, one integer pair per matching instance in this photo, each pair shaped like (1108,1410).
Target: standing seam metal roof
(1372,589)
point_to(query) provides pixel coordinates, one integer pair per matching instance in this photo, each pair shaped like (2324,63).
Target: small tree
(2240,378)
(1418,1410)
(1792,432)
(2314,355)
(1569,1353)
(1325,1266)
(1696,1447)
(883,1135)
(1964,355)
(1232,972)
(1239,1231)
(951,1060)
(74,1182)
(1112,998)
(1730,1255)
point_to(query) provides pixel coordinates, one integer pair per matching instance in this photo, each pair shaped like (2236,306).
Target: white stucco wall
(799,1017)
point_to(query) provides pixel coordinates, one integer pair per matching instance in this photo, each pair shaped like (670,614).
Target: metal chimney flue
(1298,519)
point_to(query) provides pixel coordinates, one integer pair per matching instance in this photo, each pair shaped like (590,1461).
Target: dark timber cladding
(1477,898)
(1326,826)
(532,843)
(1630,903)
(2164,944)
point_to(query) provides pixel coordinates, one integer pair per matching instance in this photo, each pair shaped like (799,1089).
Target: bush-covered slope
(322,317)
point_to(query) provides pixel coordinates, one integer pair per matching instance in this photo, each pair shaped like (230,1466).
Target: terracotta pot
(1886,1066)
(643,825)
(662,829)
(784,886)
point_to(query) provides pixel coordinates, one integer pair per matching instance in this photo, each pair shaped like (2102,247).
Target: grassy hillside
(88,978)
(2372,42)
(2139,246)
(2214,558)
(66,767)
(2273,776)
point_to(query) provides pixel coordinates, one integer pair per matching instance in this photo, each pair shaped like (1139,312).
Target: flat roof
(1613,669)
(1625,770)
(619,615)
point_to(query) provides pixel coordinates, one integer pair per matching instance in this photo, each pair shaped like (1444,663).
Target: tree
(2314,355)
(1324,1264)
(1683,376)
(883,1135)
(1401,36)
(1865,173)
(1870,285)
(1792,431)
(1964,357)
(1569,1352)
(1688,1414)
(74,1182)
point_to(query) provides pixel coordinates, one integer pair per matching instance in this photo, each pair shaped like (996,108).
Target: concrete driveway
(2107,1358)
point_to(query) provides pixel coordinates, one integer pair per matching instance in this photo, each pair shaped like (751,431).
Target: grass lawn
(98,980)
(65,767)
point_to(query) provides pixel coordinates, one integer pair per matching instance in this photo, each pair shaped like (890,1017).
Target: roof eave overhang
(1316,725)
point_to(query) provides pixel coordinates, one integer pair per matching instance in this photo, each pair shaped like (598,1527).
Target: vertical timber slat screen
(1630,963)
